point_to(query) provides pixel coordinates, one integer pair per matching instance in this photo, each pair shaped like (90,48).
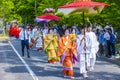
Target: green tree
(5,9)
(25,11)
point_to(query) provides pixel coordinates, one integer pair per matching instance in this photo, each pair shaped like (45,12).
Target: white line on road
(24,62)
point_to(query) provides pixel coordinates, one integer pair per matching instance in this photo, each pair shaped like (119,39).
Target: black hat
(82,27)
(23,27)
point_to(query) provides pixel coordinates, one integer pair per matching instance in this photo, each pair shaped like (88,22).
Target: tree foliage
(25,11)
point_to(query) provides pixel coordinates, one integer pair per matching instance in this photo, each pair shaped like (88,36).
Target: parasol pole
(83,15)
(85,50)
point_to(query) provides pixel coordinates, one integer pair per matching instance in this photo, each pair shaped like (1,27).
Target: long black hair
(49,30)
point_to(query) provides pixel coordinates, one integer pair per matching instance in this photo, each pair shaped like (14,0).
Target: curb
(111,60)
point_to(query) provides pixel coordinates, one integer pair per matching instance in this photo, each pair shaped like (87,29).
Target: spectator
(112,44)
(107,37)
(101,41)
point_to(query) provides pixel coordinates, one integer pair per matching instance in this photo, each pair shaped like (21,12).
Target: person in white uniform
(94,46)
(83,51)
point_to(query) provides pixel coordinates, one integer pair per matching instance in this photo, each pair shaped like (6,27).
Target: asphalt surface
(13,68)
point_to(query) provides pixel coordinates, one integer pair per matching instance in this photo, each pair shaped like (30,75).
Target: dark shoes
(27,56)
(22,55)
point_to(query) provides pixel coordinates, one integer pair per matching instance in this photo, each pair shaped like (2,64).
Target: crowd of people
(68,45)
(107,39)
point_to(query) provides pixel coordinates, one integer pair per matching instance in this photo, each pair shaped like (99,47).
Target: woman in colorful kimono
(67,52)
(50,46)
(39,40)
(83,52)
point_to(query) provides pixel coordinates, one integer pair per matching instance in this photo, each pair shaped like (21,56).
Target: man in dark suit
(24,36)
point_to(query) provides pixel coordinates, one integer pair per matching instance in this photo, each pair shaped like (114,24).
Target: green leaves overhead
(25,11)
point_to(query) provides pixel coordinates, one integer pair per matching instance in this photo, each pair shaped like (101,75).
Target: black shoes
(28,54)
(22,55)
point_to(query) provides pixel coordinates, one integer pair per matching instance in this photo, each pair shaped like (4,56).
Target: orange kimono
(67,52)
(73,37)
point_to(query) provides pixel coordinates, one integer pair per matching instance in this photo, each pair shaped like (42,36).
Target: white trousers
(84,61)
(92,57)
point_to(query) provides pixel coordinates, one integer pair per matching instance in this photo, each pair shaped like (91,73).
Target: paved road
(12,68)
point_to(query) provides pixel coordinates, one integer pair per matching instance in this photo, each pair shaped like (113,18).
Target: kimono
(39,41)
(17,30)
(50,47)
(94,47)
(67,53)
(11,34)
(14,31)
(82,54)
(73,37)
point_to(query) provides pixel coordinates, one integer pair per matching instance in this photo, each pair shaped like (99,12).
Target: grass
(4,37)
(118,59)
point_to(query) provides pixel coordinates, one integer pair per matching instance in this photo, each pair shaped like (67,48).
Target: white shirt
(22,35)
(107,36)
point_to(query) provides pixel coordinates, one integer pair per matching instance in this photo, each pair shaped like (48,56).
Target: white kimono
(83,55)
(94,47)
(39,40)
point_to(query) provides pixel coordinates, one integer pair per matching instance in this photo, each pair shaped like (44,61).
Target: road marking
(24,62)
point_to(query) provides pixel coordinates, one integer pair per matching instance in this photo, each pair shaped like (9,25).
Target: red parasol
(84,3)
(87,6)
(50,17)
